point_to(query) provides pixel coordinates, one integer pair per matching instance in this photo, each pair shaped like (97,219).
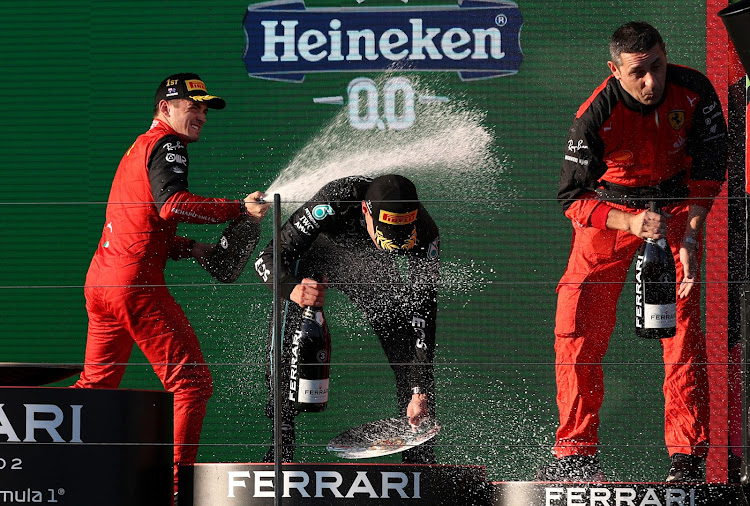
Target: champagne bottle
(311,362)
(655,289)
(232,251)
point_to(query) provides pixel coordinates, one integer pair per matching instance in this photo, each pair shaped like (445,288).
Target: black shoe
(573,468)
(686,468)
(287,445)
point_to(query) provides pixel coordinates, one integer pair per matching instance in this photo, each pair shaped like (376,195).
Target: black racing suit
(327,237)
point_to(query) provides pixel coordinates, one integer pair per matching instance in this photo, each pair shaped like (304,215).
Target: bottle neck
(662,243)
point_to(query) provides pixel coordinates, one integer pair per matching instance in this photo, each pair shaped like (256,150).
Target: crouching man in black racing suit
(348,235)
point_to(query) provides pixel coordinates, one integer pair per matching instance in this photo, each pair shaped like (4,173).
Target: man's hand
(689,261)
(689,248)
(417,410)
(254,206)
(646,225)
(200,251)
(309,293)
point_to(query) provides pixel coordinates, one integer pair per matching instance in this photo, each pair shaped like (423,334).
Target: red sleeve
(187,207)
(598,217)
(588,211)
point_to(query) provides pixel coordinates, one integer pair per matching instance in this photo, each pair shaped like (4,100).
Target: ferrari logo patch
(676,119)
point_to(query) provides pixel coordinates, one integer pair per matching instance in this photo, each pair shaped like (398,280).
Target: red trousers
(121,315)
(586,309)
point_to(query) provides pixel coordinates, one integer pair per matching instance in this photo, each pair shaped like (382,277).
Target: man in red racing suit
(651,131)
(127,300)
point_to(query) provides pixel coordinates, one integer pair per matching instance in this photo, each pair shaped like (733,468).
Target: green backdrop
(78,81)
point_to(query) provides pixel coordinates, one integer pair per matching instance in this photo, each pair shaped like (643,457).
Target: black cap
(393,203)
(188,86)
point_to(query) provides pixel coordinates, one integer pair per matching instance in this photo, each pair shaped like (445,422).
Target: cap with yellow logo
(189,86)
(393,203)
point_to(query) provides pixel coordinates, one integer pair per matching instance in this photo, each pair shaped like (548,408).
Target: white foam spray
(449,153)
(448,148)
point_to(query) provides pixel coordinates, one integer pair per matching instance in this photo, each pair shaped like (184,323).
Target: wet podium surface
(75,447)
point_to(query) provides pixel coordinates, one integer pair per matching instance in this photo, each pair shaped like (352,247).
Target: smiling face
(185,116)
(642,75)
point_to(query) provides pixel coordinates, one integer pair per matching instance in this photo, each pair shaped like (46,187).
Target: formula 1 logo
(477,38)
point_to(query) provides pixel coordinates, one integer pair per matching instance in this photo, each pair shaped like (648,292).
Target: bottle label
(294,368)
(312,391)
(659,316)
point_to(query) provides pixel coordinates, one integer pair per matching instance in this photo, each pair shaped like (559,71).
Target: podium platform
(614,494)
(332,484)
(394,484)
(74,447)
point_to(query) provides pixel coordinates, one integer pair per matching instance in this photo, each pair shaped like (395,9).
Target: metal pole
(277,350)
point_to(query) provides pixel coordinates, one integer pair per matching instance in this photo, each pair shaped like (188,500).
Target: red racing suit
(620,154)
(126,296)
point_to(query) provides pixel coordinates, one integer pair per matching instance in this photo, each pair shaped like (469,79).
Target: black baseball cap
(393,203)
(189,86)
